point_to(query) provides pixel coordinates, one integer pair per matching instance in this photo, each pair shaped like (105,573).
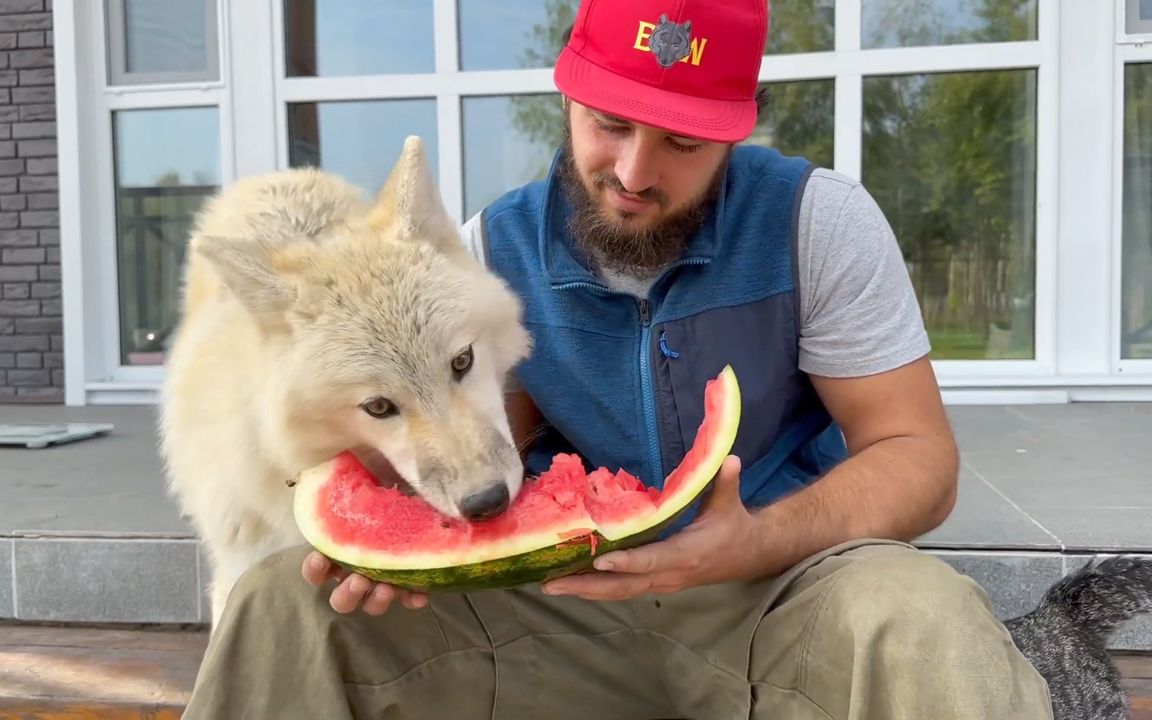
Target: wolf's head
(381,334)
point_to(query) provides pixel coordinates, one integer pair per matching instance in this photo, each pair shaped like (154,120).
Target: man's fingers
(604,586)
(725,492)
(318,569)
(414,600)
(379,599)
(348,595)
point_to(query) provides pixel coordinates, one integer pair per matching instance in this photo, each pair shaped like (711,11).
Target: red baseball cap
(688,66)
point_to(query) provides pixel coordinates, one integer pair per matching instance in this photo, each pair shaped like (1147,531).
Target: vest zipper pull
(645,317)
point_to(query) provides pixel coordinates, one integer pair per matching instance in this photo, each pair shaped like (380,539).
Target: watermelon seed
(444,524)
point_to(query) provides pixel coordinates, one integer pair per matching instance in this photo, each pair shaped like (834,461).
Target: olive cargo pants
(866,631)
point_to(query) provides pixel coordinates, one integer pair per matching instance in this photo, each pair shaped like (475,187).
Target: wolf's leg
(886,631)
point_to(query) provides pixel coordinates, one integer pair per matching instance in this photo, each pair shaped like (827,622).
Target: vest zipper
(644,307)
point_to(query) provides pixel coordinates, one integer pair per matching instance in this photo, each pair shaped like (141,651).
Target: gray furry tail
(1101,597)
(1065,637)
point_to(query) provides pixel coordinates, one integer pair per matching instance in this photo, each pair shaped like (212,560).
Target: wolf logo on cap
(670,42)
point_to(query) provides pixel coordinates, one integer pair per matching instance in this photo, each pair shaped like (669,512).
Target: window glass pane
(797,26)
(1138,17)
(512,34)
(799,120)
(951,159)
(508,141)
(359,140)
(162,37)
(904,23)
(358,37)
(1136,221)
(166,163)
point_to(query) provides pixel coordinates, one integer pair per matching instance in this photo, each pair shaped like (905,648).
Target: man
(656,251)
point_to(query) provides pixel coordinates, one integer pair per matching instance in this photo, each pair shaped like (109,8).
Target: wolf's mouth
(382,469)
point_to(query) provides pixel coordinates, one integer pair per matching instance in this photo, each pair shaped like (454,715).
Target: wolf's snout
(486,504)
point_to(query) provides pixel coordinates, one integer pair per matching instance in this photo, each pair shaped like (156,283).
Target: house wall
(31,340)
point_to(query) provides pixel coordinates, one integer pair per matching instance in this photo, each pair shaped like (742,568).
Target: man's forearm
(897,488)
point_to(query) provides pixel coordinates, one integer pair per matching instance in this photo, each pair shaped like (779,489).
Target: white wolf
(316,321)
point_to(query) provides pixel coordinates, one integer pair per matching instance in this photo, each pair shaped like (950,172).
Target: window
(359,140)
(801,26)
(1136,215)
(166,164)
(951,159)
(326,38)
(1138,17)
(909,23)
(508,141)
(799,119)
(161,41)
(512,34)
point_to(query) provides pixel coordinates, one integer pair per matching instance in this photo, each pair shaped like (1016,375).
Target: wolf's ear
(409,206)
(249,270)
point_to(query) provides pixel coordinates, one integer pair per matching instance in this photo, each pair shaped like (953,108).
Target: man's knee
(907,594)
(275,585)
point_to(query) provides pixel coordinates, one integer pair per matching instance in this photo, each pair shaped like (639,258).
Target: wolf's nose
(485,504)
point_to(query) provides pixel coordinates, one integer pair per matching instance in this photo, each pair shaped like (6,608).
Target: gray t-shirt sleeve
(470,237)
(859,313)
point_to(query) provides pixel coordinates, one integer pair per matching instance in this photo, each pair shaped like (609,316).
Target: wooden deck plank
(83,673)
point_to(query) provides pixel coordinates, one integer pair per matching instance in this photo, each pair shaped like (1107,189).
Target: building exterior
(1009,142)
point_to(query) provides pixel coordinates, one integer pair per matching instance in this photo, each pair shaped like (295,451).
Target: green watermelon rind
(544,562)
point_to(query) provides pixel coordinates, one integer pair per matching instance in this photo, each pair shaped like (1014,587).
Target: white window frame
(1125,54)
(1078,56)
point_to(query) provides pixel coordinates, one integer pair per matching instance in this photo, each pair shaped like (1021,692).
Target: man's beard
(603,235)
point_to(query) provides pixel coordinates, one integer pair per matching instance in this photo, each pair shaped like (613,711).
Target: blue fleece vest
(620,379)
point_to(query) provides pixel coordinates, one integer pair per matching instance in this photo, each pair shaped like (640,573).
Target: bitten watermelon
(555,526)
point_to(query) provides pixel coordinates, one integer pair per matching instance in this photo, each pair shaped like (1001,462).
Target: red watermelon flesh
(564,496)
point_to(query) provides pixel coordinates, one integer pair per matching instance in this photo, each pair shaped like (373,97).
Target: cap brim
(705,118)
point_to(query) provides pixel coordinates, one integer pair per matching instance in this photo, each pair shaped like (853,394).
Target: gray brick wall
(31,342)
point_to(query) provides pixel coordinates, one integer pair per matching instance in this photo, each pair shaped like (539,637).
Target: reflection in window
(508,141)
(512,34)
(1136,218)
(799,120)
(166,163)
(798,26)
(359,140)
(906,23)
(517,34)
(165,35)
(358,37)
(951,159)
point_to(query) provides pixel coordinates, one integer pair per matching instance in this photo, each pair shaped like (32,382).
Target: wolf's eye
(379,407)
(462,362)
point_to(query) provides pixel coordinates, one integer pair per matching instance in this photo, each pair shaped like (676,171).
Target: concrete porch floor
(87,532)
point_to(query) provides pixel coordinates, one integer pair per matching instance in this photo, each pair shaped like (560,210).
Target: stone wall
(31,342)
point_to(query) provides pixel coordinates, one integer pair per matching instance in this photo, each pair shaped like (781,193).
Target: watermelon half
(556,525)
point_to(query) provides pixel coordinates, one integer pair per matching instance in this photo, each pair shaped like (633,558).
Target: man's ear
(249,269)
(410,207)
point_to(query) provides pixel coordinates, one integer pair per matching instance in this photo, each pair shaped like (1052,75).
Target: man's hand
(352,589)
(724,542)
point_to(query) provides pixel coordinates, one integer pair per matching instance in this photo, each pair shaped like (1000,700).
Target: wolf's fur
(1065,637)
(302,301)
